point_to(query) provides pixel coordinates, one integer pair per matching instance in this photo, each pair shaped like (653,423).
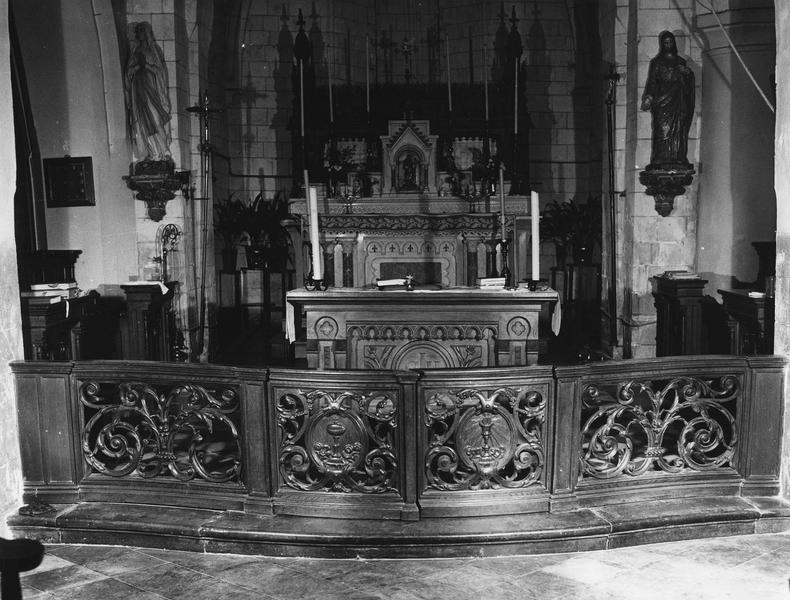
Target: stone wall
(652,244)
(565,145)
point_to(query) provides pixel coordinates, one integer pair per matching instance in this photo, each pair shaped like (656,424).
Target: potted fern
(229,224)
(572,227)
(269,239)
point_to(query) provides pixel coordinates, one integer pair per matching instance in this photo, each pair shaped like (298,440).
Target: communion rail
(400,463)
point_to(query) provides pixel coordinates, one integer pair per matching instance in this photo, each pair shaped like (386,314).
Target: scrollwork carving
(186,430)
(672,426)
(484,440)
(338,442)
(399,223)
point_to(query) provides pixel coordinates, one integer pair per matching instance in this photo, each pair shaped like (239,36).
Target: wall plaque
(69,181)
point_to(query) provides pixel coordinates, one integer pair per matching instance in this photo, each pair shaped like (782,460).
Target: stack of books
(54,291)
(485,282)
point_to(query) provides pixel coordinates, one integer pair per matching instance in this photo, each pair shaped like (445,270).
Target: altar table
(424,328)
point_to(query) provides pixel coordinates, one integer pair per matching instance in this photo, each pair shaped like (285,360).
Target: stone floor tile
(108,560)
(176,581)
(251,575)
(203,560)
(771,564)
(518,566)
(105,589)
(736,568)
(58,578)
(542,584)
(586,569)
(29,593)
(50,561)
(326,569)
(279,581)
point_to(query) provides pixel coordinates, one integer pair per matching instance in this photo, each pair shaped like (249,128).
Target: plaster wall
(81,115)
(782,186)
(738,202)
(10,319)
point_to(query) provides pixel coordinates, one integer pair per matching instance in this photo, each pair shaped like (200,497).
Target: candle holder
(505,272)
(314,285)
(532,285)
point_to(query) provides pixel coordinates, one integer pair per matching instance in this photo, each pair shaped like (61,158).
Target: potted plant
(269,239)
(585,222)
(229,224)
(572,226)
(555,227)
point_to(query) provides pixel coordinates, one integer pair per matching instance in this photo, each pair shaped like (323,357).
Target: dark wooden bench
(17,556)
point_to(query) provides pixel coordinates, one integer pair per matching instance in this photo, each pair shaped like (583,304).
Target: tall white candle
(367,73)
(449,84)
(534,211)
(485,76)
(502,199)
(314,241)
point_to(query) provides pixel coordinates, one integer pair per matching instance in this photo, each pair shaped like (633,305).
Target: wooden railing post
(761,442)
(51,464)
(412,465)
(565,449)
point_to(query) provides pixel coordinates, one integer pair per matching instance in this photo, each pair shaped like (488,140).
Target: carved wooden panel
(338,441)
(429,346)
(484,439)
(185,431)
(672,426)
(385,256)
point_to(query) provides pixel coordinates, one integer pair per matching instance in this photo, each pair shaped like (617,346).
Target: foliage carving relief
(481,440)
(186,431)
(337,441)
(412,346)
(670,426)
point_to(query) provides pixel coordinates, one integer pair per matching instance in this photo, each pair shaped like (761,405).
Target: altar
(441,219)
(460,327)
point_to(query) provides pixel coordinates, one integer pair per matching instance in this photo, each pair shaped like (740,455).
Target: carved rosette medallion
(326,328)
(186,431)
(337,441)
(684,424)
(518,328)
(484,440)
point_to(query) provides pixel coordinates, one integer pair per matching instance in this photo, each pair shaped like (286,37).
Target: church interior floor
(739,567)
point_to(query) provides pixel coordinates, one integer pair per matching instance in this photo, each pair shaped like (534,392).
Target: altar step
(199,530)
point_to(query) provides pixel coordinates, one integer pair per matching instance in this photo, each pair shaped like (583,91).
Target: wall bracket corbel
(664,185)
(155,182)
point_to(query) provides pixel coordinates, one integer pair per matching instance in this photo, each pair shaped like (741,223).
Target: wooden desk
(750,321)
(52,330)
(678,305)
(146,324)
(397,329)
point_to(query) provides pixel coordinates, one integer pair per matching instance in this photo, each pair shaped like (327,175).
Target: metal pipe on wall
(613,78)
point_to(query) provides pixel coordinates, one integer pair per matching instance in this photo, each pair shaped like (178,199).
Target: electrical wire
(737,54)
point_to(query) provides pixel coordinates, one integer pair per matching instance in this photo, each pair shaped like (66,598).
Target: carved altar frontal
(420,329)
